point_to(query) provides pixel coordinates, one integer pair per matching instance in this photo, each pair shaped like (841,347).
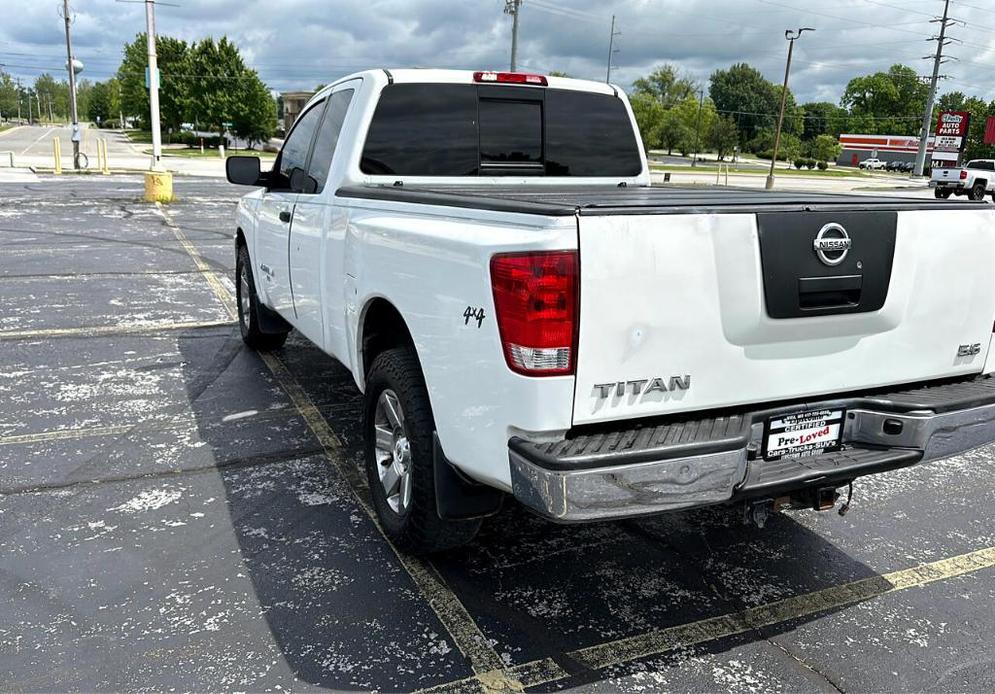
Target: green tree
(822,118)
(884,103)
(649,115)
(980,111)
(104,104)
(744,94)
(723,137)
(175,79)
(8,96)
(825,148)
(255,120)
(951,101)
(54,93)
(696,119)
(666,85)
(216,94)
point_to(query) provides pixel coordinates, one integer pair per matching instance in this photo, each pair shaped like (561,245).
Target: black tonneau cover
(603,200)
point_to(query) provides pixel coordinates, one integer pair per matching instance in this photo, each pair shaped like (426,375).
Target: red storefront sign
(951,131)
(990,131)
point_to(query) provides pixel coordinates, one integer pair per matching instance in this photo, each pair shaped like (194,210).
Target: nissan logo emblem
(832,244)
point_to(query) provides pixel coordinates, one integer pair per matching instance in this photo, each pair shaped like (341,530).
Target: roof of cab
(431,75)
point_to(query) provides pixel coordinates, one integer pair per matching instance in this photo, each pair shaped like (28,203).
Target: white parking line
(40,138)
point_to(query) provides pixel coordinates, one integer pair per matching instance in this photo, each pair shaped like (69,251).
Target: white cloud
(299,43)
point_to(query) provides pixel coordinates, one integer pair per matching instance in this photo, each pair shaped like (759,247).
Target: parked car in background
(893,165)
(974,180)
(872,164)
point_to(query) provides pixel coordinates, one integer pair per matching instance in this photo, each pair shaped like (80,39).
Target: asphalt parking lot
(177,512)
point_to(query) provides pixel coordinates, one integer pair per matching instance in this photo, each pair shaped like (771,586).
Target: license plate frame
(804,433)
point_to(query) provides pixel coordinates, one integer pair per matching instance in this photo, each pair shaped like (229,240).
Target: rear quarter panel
(432,264)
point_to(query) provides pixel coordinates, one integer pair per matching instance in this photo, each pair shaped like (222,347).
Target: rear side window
(486,130)
(328,136)
(423,130)
(295,149)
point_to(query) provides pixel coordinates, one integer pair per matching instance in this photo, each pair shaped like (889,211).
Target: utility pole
(791,37)
(71,66)
(29,108)
(611,50)
(18,100)
(512,7)
(154,83)
(927,118)
(697,127)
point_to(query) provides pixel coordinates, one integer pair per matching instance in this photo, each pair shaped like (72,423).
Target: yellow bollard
(106,168)
(158,186)
(57,153)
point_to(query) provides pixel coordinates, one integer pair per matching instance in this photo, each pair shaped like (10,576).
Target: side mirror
(301,182)
(243,171)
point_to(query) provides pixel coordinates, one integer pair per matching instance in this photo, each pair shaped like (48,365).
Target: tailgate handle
(829,292)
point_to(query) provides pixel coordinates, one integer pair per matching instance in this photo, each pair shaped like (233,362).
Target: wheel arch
(381,327)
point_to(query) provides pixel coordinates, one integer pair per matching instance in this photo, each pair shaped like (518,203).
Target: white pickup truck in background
(526,316)
(975,180)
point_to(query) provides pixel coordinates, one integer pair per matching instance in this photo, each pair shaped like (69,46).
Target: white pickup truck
(526,316)
(975,180)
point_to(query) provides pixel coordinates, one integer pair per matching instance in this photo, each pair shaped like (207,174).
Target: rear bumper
(692,463)
(946,184)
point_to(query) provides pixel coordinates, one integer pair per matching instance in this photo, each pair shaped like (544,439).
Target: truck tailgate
(710,309)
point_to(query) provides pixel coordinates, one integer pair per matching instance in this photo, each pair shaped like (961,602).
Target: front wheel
(249,307)
(398,427)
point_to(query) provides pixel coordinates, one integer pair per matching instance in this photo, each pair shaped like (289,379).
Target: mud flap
(271,322)
(457,498)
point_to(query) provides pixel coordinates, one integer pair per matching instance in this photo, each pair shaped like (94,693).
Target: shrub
(822,166)
(799,163)
(810,164)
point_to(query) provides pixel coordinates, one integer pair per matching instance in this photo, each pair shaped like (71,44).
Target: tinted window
(589,135)
(423,130)
(328,136)
(294,154)
(510,133)
(433,130)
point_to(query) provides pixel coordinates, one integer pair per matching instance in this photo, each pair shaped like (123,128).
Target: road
(177,511)
(32,146)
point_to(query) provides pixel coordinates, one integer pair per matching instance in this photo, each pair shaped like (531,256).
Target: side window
(328,136)
(295,149)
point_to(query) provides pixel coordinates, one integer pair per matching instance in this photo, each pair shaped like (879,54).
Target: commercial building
(857,148)
(293,104)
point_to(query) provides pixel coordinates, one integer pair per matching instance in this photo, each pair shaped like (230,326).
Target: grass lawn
(194,153)
(828,173)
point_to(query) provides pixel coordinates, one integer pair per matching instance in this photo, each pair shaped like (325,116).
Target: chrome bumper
(616,488)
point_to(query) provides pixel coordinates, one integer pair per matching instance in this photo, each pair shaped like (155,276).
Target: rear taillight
(963,175)
(536,301)
(510,78)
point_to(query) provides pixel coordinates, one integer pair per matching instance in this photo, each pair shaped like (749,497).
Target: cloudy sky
(299,43)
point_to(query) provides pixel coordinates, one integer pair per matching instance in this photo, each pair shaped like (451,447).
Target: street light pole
(697,127)
(153,84)
(513,7)
(71,66)
(791,36)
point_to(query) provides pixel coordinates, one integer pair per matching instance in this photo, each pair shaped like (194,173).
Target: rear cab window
(459,130)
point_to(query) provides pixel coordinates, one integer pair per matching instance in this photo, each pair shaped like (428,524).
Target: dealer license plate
(802,434)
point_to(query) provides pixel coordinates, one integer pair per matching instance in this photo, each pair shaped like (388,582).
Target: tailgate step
(771,477)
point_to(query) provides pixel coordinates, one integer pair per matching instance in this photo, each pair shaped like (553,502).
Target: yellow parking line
(64,434)
(98,330)
(661,641)
(486,663)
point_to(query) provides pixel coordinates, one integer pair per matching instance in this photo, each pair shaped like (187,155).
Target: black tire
(977,192)
(248,307)
(415,528)
(941,193)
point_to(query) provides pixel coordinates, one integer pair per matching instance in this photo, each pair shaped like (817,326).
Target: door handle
(285,216)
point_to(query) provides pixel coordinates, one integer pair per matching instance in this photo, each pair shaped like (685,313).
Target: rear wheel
(977,192)
(249,307)
(398,426)
(941,193)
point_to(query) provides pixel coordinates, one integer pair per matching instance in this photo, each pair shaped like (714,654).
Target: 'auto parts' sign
(951,131)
